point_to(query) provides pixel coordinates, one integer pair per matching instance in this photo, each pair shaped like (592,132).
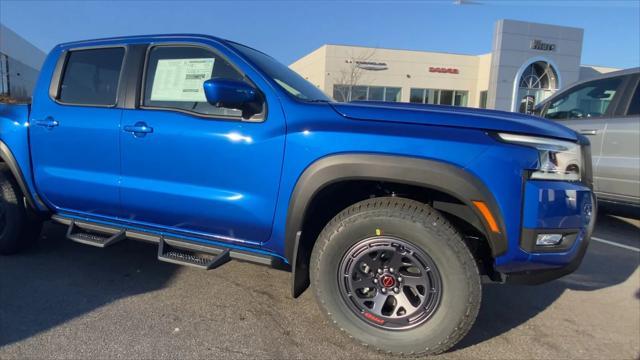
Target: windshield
(288,79)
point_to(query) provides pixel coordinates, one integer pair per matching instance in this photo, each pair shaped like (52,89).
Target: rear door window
(91,77)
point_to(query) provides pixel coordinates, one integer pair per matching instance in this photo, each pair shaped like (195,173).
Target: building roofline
(602,66)
(410,50)
(387,48)
(307,54)
(32,55)
(540,23)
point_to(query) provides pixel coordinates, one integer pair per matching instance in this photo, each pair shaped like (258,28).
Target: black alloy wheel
(390,283)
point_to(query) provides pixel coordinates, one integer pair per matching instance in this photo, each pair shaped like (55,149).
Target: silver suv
(607,110)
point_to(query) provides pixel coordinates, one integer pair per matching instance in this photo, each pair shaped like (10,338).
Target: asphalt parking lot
(66,300)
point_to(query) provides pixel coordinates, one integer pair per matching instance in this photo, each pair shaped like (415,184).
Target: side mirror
(229,93)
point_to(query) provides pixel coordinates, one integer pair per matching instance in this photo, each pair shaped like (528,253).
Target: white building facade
(528,63)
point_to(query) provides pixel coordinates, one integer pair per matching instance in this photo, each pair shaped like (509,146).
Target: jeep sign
(543,46)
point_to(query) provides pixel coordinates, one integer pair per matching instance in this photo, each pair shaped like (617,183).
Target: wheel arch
(6,156)
(422,173)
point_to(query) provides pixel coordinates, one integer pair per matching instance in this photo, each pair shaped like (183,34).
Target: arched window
(538,81)
(539,75)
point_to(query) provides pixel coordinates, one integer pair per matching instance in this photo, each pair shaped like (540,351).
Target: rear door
(75,132)
(620,160)
(586,109)
(195,169)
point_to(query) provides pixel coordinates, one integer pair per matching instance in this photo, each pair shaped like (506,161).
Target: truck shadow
(58,280)
(505,307)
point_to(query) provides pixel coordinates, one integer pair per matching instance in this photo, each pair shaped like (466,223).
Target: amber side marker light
(484,210)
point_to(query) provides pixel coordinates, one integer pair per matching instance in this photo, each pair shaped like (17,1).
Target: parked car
(607,110)
(215,151)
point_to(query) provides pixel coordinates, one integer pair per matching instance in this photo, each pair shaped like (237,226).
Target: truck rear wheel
(18,227)
(394,274)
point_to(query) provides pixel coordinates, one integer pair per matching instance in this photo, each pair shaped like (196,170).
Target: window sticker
(181,79)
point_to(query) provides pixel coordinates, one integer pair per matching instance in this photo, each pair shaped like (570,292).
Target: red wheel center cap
(388,281)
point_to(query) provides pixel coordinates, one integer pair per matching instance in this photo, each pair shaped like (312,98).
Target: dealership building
(527,63)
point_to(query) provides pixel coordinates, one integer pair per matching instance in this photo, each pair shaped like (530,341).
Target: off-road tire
(19,227)
(426,229)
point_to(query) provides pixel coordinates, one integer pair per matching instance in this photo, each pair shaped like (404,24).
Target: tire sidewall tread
(22,227)
(444,239)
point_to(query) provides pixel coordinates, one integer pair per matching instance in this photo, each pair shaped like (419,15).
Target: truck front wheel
(394,274)
(18,227)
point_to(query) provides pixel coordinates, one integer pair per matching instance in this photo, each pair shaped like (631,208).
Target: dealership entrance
(538,81)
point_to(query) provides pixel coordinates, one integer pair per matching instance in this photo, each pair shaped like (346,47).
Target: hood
(438,115)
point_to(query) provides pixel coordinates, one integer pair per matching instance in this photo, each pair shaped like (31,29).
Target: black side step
(199,256)
(94,235)
(102,230)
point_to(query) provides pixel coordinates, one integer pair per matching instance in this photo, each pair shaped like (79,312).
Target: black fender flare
(436,175)
(10,160)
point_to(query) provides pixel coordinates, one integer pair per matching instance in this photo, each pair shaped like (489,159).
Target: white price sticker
(181,79)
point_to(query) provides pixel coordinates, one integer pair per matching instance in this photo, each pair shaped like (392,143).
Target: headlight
(559,160)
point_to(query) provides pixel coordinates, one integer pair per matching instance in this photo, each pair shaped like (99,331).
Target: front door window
(590,100)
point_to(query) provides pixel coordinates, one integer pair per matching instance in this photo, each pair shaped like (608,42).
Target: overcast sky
(290,29)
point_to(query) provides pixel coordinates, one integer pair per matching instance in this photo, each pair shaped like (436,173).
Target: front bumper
(535,277)
(553,207)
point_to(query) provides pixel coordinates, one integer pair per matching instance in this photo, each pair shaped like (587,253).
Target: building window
(446,97)
(417,96)
(341,93)
(392,94)
(4,74)
(439,97)
(460,98)
(359,93)
(376,93)
(483,99)
(538,81)
(346,93)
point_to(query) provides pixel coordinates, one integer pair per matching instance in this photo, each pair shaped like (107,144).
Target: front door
(75,135)
(193,168)
(620,162)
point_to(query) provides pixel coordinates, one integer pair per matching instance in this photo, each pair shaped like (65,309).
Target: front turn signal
(488,217)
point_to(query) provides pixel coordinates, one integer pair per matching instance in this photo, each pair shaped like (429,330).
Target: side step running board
(93,235)
(170,249)
(199,256)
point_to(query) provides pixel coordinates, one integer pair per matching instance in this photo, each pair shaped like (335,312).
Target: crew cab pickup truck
(213,151)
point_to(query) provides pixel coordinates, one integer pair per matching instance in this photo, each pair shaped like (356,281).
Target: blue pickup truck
(395,214)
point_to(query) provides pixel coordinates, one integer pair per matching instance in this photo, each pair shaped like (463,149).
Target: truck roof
(138,38)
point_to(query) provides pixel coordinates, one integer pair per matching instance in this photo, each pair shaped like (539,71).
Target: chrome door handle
(588,132)
(48,122)
(139,129)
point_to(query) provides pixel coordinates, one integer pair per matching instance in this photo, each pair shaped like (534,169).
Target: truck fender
(437,175)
